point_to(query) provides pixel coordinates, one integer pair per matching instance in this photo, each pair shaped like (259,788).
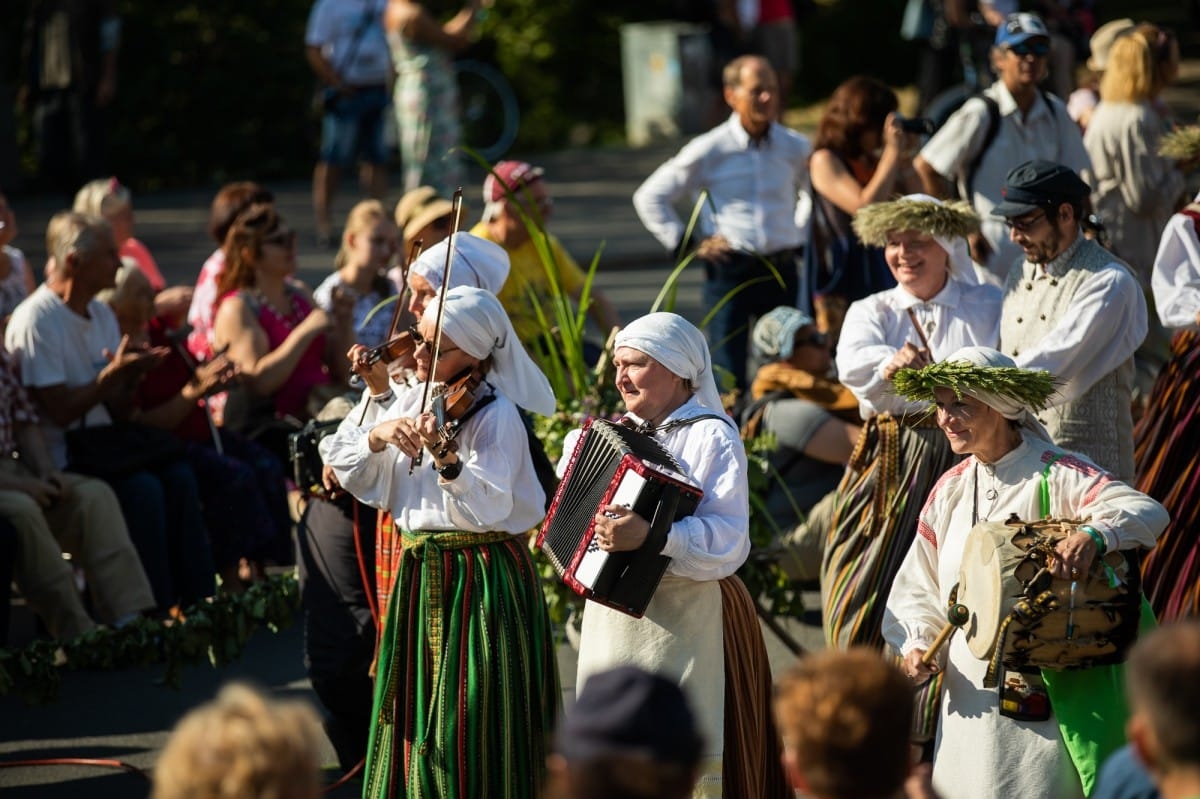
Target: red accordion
(615,465)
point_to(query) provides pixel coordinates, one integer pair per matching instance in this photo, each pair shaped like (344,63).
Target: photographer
(861,156)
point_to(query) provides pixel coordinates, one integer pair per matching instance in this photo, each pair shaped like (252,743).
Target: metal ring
(1074,572)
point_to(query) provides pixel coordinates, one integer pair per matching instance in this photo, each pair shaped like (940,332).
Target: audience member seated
(230,201)
(421,215)
(53,511)
(16,279)
(815,423)
(108,199)
(845,718)
(517,206)
(360,272)
(291,353)
(242,486)
(631,735)
(242,744)
(81,373)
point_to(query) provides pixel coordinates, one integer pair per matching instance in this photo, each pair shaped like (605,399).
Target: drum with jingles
(1022,616)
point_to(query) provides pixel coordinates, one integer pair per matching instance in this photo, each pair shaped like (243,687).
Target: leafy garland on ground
(215,630)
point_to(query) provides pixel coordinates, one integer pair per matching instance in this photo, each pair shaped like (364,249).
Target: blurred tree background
(220,88)
(214,89)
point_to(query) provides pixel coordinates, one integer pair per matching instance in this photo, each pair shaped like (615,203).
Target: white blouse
(876,327)
(1176,278)
(497,489)
(1125,517)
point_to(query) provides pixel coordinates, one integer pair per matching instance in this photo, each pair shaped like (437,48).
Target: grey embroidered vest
(1099,424)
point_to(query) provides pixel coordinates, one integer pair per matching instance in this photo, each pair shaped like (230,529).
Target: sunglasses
(420,341)
(282,238)
(1023,49)
(1027,224)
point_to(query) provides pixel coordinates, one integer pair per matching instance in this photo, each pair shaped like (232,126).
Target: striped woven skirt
(753,749)
(467,688)
(892,470)
(1168,469)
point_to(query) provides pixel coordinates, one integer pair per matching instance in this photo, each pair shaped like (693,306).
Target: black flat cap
(1039,184)
(629,712)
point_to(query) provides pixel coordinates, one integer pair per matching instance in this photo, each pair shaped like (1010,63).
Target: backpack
(947,109)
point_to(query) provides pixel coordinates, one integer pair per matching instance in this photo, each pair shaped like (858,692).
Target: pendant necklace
(991,495)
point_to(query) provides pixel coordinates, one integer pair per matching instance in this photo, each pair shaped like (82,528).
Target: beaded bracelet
(1101,546)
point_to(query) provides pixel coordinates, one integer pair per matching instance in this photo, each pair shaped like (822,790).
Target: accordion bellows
(615,465)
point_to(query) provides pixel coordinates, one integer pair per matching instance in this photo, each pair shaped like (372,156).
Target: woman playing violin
(466,689)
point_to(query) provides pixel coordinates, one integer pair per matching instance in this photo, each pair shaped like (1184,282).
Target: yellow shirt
(529,282)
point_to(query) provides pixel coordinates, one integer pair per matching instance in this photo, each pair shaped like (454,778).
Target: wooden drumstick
(956,616)
(912,317)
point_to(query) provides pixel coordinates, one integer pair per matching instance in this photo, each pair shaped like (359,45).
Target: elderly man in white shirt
(754,172)
(1028,124)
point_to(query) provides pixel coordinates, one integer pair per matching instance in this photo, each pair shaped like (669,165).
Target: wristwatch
(451,470)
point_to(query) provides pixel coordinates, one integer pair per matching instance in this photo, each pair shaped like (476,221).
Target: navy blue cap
(1039,184)
(628,711)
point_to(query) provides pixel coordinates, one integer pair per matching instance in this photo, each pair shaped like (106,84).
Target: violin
(401,344)
(456,396)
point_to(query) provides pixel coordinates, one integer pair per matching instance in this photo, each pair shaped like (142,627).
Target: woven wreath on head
(1029,388)
(944,220)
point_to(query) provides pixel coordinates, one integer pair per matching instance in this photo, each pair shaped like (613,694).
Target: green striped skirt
(467,689)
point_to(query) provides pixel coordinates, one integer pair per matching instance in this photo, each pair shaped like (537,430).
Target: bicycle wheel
(487,109)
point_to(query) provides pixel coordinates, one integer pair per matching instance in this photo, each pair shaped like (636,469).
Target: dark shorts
(352,128)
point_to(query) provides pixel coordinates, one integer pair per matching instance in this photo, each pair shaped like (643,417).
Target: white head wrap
(962,268)
(675,343)
(477,262)
(475,321)
(1007,407)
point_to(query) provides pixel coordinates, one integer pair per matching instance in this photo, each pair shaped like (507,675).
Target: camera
(916,125)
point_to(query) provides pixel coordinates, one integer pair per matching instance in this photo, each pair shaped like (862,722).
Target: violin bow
(436,350)
(414,252)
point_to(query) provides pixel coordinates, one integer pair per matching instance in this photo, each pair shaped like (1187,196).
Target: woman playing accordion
(701,619)
(1053,728)
(467,688)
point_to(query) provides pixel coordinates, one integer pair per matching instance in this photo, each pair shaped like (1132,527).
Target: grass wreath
(1182,144)
(1032,388)
(947,220)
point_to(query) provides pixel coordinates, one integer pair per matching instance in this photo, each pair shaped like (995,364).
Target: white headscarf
(675,343)
(1007,407)
(962,268)
(477,262)
(475,321)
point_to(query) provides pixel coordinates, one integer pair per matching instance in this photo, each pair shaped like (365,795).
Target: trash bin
(665,72)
